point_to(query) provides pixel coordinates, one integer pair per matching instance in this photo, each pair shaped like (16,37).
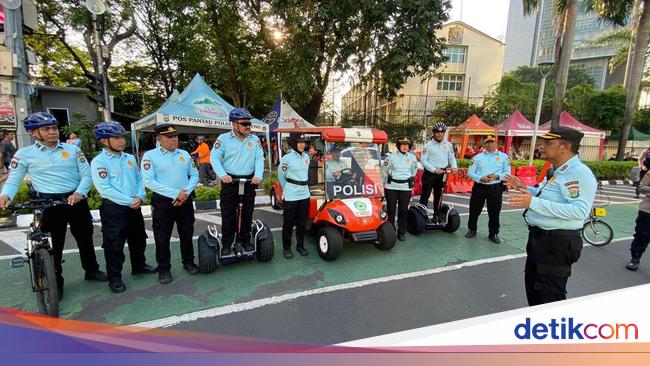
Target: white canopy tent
(197,110)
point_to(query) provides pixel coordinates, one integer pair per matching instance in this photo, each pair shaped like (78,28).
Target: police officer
(293,176)
(399,169)
(334,166)
(170,173)
(237,154)
(58,171)
(437,155)
(487,169)
(644,165)
(117,179)
(555,213)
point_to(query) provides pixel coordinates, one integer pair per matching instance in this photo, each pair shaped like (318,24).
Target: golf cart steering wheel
(345,176)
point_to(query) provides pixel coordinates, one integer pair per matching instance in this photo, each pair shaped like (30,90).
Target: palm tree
(617,12)
(618,37)
(566,13)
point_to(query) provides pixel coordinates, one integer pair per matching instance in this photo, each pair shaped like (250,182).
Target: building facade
(530,40)
(473,66)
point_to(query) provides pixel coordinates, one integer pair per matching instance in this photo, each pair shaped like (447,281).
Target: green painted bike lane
(146,299)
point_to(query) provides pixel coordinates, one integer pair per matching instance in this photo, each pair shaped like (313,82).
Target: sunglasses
(245,124)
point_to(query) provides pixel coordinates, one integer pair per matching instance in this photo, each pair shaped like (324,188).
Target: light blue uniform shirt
(294,166)
(332,166)
(117,177)
(487,163)
(399,166)
(230,155)
(62,169)
(167,172)
(438,155)
(566,201)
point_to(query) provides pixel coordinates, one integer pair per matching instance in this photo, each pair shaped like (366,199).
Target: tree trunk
(630,48)
(564,62)
(636,74)
(311,110)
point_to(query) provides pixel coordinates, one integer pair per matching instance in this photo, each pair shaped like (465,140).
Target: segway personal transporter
(210,243)
(421,218)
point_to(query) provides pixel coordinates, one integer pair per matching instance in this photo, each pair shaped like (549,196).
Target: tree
(455,111)
(602,109)
(566,11)
(56,65)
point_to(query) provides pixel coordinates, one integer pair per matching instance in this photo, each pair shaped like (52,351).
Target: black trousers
(119,224)
(55,221)
(164,215)
(203,173)
(493,194)
(641,235)
(295,213)
(548,265)
(400,200)
(229,203)
(432,181)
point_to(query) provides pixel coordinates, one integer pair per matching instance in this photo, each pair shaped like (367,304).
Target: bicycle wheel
(597,232)
(47,293)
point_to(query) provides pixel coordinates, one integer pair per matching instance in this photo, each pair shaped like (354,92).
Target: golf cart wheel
(329,243)
(415,221)
(387,236)
(274,201)
(265,247)
(207,255)
(453,223)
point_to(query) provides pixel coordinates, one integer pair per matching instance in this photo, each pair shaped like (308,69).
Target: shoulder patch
(284,167)
(14,163)
(571,183)
(81,157)
(146,164)
(574,191)
(424,151)
(217,144)
(102,173)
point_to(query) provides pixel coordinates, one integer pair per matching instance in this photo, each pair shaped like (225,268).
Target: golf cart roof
(339,134)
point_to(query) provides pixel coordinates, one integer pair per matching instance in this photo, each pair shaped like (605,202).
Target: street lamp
(540,99)
(97,7)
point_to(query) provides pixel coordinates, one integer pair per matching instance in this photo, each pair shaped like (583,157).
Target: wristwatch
(81,195)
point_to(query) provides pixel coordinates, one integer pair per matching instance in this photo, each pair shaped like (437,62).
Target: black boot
(633,264)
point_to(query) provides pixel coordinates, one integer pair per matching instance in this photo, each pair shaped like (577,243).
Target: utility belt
(490,186)
(410,181)
(52,196)
(297,182)
(555,232)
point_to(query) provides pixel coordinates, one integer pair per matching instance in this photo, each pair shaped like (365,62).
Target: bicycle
(38,255)
(595,230)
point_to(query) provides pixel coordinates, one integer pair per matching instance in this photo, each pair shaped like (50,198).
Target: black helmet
(295,138)
(404,140)
(439,127)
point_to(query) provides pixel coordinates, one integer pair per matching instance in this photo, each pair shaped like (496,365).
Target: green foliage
(86,132)
(396,130)
(207,193)
(605,170)
(602,109)
(455,111)
(268,182)
(528,74)
(642,120)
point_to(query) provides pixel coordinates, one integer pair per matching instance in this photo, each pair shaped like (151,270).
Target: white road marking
(255,304)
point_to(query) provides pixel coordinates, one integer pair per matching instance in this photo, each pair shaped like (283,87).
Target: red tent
(513,126)
(473,126)
(567,120)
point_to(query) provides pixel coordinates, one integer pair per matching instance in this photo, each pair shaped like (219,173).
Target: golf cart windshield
(352,169)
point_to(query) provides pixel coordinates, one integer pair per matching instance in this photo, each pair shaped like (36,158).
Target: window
(450,82)
(455,55)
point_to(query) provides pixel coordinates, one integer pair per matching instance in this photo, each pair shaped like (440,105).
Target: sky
(488,16)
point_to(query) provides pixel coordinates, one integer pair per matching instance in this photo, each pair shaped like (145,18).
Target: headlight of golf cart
(338,217)
(383,215)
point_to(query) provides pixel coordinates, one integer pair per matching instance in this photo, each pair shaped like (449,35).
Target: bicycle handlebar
(37,204)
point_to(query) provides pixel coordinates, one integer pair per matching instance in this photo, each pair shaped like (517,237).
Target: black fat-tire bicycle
(38,255)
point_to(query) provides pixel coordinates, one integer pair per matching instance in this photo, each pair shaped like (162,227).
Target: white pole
(540,99)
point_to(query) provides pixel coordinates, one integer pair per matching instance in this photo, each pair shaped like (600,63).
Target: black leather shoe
(302,251)
(117,286)
(633,265)
(225,251)
(470,233)
(401,237)
(494,238)
(288,253)
(147,269)
(191,268)
(165,277)
(248,247)
(96,276)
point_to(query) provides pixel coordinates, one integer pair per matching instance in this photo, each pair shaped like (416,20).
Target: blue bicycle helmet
(439,127)
(239,113)
(104,130)
(39,119)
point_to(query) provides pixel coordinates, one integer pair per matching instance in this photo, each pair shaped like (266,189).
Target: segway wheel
(207,255)
(265,246)
(415,221)
(330,243)
(387,236)
(453,223)
(274,201)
